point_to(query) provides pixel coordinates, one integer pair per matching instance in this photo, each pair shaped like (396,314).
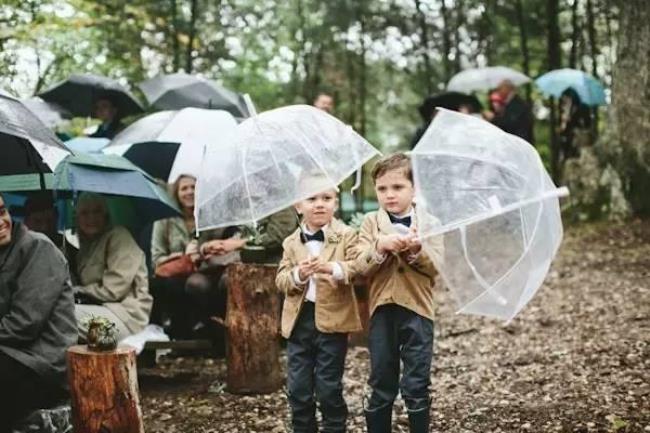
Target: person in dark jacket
(517,117)
(37,321)
(106,111)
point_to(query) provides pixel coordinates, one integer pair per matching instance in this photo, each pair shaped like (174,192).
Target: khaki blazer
(112,269)
(395,280)
(336,304)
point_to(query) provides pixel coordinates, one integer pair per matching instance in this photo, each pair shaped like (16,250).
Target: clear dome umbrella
(495,208)
(261,167)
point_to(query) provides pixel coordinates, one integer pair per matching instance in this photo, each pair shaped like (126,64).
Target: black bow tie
(318,236)
(406,221)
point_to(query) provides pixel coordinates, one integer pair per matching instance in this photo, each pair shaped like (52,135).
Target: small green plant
(102,333)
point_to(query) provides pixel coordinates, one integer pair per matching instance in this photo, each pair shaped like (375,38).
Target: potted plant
(255,250)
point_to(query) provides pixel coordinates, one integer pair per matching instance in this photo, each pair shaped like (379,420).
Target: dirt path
(577,359)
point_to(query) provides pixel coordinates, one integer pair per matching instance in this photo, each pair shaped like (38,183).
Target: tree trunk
(575,32)
(446,40)
(189,61)
(424,35)
(252,327)
(460,20)
(631,102)
(554,61)
(525,53)
(104,391)
(593,51)
(175,46)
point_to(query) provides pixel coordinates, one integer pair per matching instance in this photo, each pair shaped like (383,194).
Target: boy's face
(394,191)
(317,211)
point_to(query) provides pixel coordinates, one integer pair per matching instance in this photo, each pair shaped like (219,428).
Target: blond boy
(319,311)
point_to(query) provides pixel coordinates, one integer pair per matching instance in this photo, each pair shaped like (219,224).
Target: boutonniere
(333,238)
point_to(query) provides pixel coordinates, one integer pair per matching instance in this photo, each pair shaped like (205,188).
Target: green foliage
(379,58)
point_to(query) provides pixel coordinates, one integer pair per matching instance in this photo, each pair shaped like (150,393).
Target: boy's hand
(307,268)
(325,268)
(391,244)
(414,244)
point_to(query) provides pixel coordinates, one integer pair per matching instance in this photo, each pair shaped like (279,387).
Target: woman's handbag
(181,266)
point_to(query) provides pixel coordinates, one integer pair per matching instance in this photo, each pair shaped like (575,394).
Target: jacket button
(400,269)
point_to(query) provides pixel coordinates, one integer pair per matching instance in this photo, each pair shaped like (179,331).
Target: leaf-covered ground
(577,359)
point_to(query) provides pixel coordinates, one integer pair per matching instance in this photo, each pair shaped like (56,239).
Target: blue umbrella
(589,89)
(87,144)
(134,197)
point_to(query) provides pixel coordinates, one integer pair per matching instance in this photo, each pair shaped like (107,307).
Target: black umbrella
(180,90)
(29,149)
(79,93)
(159,167)
(449,100)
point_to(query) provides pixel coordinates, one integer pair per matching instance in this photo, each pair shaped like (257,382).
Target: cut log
(104,390)
(252,330)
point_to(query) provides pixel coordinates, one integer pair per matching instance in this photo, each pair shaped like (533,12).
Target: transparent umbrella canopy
(495,207)
(262,166)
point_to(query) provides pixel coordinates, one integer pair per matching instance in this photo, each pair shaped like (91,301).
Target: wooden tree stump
(104,390)
(252,325)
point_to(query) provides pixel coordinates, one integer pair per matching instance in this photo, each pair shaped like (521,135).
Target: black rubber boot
(379,420)
(419,420)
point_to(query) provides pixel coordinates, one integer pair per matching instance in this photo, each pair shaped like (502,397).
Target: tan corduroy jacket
(336,305)
(112,270)
(395,280)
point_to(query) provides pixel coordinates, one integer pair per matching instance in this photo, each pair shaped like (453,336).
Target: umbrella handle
(357,182)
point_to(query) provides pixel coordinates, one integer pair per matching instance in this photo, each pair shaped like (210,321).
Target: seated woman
(111,272)
(171,238)
(218,248)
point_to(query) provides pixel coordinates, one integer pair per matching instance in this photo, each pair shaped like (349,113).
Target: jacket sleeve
(284,278)
(42,281)
(123,260)
(366,262)
(160,242)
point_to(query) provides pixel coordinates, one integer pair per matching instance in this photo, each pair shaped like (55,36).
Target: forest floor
(576,359)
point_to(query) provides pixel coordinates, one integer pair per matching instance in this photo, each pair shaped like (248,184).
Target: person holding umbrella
(516,118)
(105,110)
(111,271)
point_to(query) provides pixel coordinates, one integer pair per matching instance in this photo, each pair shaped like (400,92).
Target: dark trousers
(171,301)
(397,333)
(22,391)
(315,367)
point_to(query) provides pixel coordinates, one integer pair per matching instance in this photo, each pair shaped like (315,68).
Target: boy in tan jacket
(319,310)
(401,278)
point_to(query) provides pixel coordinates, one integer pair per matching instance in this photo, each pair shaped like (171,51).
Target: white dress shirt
(314,248)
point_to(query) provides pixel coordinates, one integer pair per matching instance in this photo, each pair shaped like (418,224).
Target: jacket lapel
(329,248)
(383,223)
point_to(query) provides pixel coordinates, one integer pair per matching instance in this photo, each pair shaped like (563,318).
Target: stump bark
(104,390)
(252,330)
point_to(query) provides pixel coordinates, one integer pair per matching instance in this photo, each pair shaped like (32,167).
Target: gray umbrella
(51,114)
(28,148)
(181,90)
(79,93)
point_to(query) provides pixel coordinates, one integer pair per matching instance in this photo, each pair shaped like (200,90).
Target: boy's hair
(396,161)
